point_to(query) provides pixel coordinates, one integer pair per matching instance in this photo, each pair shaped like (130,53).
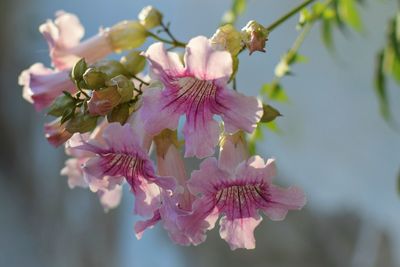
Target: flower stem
(140,80)
(288,15)
(175,43)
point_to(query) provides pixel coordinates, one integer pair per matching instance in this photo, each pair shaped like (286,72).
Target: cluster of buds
(109,113)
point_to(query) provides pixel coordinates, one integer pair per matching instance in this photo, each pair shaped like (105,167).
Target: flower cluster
(109,114)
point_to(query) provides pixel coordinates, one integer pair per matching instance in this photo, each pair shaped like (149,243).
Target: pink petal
(201,133)
(70,29)
(203,218)
(206,63)
(256,168)
(73,169)
(147,197)
(233,151)
(110,199)
(155,117)
(142,226)
(239,233)
(282,200)
(203,181)
(239,111)
(55,133)
(163,64)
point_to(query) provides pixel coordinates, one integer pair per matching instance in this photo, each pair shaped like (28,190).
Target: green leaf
(81,123)
(275,92)
(273,127)
(380,86)
(349,14)
(60,104)
(256,136)
(270,113)
(78,70)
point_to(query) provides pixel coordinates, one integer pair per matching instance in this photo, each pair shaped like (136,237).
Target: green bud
(119,114)
(150,17)
(227,38)
(127,35)
(78,70)
(94,78)
(111,68)
(255,35)
(124,86)
(62,103)
(133,62)
(81,123)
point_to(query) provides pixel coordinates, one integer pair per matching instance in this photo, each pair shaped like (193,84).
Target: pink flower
(173,206)
(108,189)
(41,85)
(122,155)
(198,90)
(63,36)
(55,133)
(237,195)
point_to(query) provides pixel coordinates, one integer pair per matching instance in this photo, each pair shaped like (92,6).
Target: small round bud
(227,38)
(94,79)
(150,17)
(133,62)
(255,36)
(111,68)
(127,35)
(81,123)
(124,86)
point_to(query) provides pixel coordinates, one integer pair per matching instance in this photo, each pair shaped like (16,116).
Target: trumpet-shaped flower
(41,85)
(64,35)
(238,196)
(122,155)
(197,89)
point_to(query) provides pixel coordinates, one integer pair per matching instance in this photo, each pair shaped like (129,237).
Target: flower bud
(103,101)
(255,36)
(111,68)
(94,79)
(124,87)
(127,35)
(150,17)
(227,38)
(133,62)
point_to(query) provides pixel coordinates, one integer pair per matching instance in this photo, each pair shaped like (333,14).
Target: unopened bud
(150,17)
(111,68)
(127,35)
(227,38)
(255,36)
(124,86)
(103,101)
(94,79)
(134,62)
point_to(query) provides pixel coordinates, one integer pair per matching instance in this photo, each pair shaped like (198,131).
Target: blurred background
(333,143)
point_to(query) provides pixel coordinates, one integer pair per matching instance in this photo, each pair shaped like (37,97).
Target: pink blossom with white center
(122,155)
(63,36)
(237,196)
(41,85)
(199,90)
